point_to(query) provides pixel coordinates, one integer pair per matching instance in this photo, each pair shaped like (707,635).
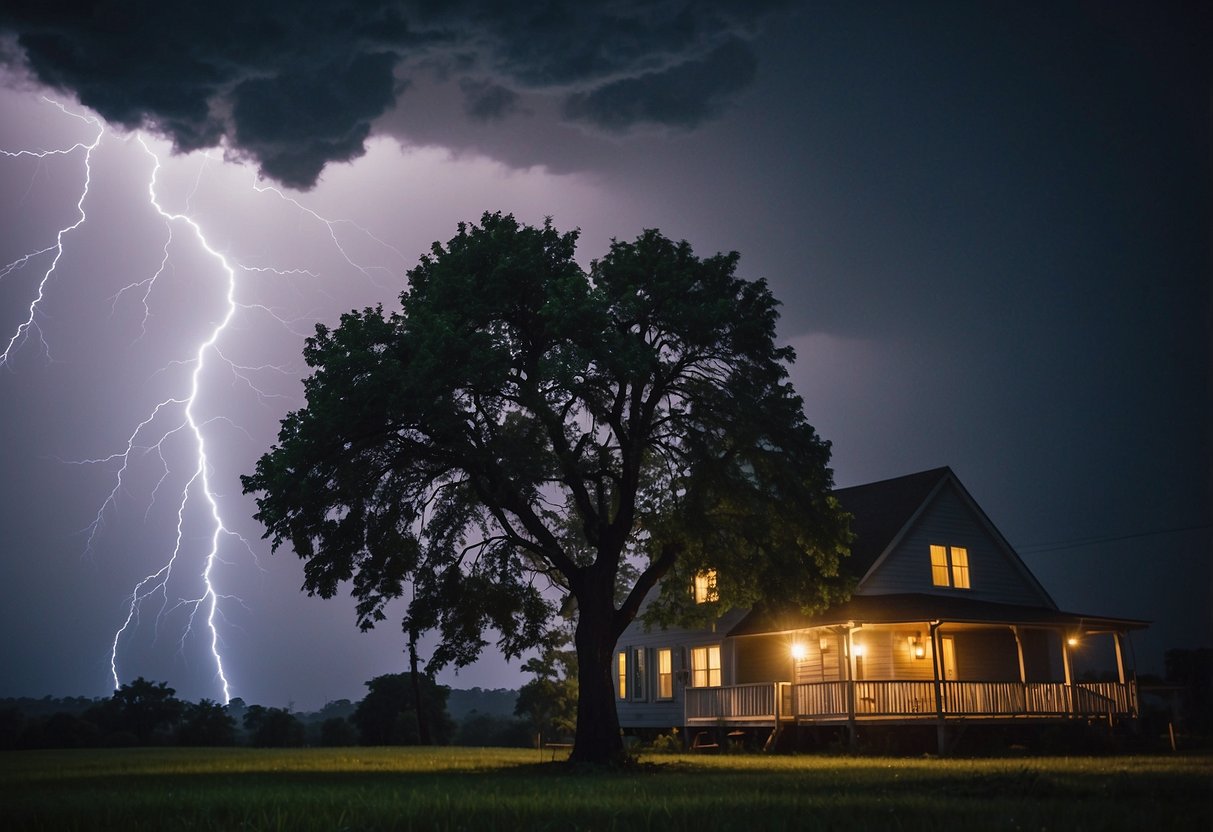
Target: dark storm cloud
(486,101)
(684,95)
(294,85)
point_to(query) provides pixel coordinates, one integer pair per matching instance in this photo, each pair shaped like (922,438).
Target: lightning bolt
(158,580)
(30,324)
(175,420)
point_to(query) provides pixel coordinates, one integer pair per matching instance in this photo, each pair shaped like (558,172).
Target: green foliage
(388,716)
(337,731)
(146,709)
(273,727)
(522,423)
(670,743)
(206,723)
(478,730)
(548,703)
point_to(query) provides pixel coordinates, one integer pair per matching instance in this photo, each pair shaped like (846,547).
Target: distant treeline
(149,713)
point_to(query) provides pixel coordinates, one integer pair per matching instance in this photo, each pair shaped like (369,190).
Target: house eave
(919,607)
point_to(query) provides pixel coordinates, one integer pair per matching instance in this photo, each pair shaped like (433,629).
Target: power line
(1057,545)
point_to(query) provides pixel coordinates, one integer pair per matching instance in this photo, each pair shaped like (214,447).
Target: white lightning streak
(175,417)
(158,580)
(31,321)
(331,225)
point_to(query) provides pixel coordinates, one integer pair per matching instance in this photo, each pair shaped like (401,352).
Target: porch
(770,703)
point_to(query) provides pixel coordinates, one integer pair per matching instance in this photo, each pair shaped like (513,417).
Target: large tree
(523,430)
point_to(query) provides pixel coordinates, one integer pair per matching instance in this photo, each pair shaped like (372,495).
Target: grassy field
(475,789)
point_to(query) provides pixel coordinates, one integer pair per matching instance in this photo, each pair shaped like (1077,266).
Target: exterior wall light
(824,644)
(917,649)
(1072,641)
(799,651)
(857,649)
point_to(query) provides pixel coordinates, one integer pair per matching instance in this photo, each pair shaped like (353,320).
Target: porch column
(1065,666)
(850,657)
(1023,675)
(1129,687)
(941,733)
(1120,658)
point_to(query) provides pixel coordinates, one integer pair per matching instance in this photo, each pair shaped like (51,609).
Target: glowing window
(705,666)
(939,566)
(960,567)
(622,674)
(665,673)
(704,589)
(950,566)
(639,671)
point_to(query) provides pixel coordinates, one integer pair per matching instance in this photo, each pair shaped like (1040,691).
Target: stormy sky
(989,226)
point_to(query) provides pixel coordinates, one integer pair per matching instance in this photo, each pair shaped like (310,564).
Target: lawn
(475,789)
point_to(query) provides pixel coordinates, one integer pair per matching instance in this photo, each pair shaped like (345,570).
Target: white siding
(648,711)
(995,574)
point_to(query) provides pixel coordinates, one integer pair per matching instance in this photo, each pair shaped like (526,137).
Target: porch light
(799,651)
(917,649)
(857,650)
(1072,641)
(824,644)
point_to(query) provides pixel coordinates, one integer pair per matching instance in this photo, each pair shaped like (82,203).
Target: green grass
(474,789)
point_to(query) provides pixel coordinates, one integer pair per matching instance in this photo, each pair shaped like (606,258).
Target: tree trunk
(423,725)
(598,739)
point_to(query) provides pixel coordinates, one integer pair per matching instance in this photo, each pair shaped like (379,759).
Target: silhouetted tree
(385,716)
(206,723)
(337,731)
(519,418)
(1194,670)
(273,727)
(548,703)
(478,730)
(146,708)
(12,722)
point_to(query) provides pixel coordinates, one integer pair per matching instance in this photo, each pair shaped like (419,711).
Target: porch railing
(755,701)
(880,699)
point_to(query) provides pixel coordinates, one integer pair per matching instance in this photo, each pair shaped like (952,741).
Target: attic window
(704,588)
(950,566)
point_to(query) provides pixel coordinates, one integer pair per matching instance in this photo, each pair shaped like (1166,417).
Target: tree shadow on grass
(675,795)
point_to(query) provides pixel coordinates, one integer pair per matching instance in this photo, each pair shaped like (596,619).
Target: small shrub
(670,743)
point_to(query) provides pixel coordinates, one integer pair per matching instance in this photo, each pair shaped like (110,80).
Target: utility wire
(1077,543)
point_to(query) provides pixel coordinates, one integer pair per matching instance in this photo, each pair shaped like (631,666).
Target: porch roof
(918,607)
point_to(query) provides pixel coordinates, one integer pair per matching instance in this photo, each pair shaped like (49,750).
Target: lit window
(950,566)
(704,589)
(622,674)
(665,673)
(639,685)
(960,567)
(705,666)
(939,566)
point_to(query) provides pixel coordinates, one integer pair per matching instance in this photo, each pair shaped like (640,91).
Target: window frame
(940,574)
(639,674)
(950,566)
(665,677)
(703,587)
(960,567)
(705,673)
(621,675)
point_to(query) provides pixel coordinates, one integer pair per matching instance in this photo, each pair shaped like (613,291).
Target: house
(947,625)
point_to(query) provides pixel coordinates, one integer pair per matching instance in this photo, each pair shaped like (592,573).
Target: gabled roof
(919,607)
(880,512)
(883,512)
